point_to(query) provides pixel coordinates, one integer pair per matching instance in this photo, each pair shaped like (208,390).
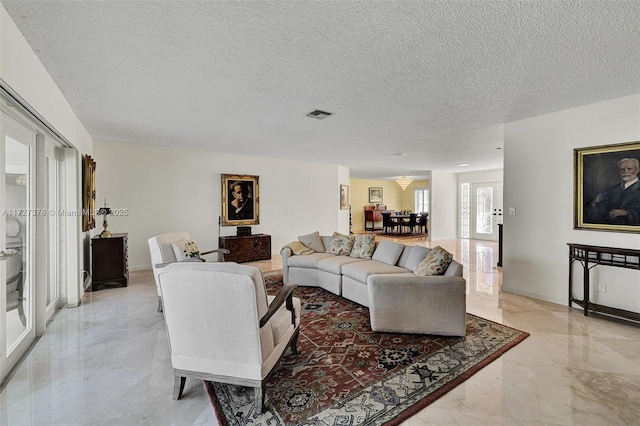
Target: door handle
(9,253)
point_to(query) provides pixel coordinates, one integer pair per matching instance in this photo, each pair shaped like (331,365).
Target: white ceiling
(433,79)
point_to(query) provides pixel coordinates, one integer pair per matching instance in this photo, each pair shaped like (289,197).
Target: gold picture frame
(344,197)
(88,193)
(240,200)
(605,199)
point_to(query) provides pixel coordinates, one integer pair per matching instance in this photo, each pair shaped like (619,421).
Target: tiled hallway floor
(107,363)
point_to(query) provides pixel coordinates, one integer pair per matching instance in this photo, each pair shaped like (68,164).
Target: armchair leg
(159,304)
(260,393)
(178,386)
(294,342)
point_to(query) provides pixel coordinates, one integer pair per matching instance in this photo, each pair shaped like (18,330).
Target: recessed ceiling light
(318,114)
(463,165)
(399,154)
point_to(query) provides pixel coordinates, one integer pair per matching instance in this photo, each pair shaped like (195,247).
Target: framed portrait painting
(88,193)
(606,188)
(375,194)
(344,197)
(240,200)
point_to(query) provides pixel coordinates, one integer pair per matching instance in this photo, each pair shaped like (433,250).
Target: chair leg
(260,393)
(178,386)
(159,304)
(294,342)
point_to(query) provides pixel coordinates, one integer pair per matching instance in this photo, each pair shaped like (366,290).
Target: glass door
(53,227)
(485,203)
(17,188)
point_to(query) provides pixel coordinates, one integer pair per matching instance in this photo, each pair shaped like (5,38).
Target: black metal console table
(590,256)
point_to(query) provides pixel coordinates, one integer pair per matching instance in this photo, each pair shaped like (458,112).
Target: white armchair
(163,250)
(222,326)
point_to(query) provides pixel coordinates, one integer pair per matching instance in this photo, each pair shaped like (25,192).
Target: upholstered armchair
(174,247)
(222,325)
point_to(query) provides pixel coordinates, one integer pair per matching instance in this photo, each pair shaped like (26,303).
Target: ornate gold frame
(595,171)
(250,183)
(88,193)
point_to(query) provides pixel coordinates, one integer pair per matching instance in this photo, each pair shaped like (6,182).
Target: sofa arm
(286,254)
(412,304)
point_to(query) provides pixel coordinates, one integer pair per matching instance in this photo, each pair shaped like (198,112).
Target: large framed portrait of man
(607,187)
(240,200)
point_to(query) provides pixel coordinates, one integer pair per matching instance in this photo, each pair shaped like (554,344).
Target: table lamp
(105,211)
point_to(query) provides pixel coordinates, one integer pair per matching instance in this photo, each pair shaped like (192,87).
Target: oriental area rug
(346,374)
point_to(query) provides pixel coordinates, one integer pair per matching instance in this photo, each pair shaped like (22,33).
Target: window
(421,202)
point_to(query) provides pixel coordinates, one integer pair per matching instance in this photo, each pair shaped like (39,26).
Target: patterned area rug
(346,374)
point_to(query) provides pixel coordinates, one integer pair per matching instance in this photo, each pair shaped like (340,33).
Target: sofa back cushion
(388,252)
(416,255)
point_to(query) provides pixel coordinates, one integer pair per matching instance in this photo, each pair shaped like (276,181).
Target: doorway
(480,210)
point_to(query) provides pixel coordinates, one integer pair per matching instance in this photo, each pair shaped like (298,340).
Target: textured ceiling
(433,79)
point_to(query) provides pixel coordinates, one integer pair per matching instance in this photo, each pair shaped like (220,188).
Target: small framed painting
(375,195)
(344,197)
(240,200)
(606,188)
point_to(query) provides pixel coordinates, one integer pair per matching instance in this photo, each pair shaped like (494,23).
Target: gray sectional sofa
(398,299)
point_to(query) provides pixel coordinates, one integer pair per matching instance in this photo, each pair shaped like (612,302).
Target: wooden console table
(247,248)
(109,260)
(590,256)
(372,216)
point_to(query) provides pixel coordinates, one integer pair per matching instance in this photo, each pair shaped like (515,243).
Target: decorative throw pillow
(312,241)
(436,262)
(388,252)
(186,250)
(340,244)
(298,248)
(363,246)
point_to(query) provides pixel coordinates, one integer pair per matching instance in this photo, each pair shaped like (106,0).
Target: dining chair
(387,223)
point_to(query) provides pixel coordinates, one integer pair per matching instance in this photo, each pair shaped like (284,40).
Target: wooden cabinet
(247,248)
(373,217)
(109,263)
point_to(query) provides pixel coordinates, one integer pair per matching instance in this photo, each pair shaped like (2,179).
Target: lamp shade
(404,182)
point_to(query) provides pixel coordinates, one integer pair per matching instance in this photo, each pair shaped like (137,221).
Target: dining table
(399,219)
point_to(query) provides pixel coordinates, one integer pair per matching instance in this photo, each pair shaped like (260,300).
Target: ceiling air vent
(317,114)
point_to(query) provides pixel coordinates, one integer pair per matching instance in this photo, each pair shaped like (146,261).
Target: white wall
(168,189)
(443,217)
(24,74)
(538,177)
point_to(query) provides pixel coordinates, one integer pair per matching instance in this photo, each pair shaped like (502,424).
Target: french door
(17,251)
(31,230)
(486,210)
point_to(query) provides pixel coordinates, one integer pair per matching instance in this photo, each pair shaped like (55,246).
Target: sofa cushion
(388,252)
(359,271)
(308,261)
(340,244)
(313,241)
(334,264)
(404,256)
(363,246)
(417,254)
(436,262)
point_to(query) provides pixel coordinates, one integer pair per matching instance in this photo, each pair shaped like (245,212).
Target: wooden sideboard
(247,248)
(109,263)
(371,216)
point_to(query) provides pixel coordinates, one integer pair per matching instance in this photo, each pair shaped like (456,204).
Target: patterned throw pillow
(313,241)
(186,250)
(363,246)
(436,262)
(298,248)
(340,244)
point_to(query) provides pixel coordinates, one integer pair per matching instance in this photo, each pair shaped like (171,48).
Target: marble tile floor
(107,363)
